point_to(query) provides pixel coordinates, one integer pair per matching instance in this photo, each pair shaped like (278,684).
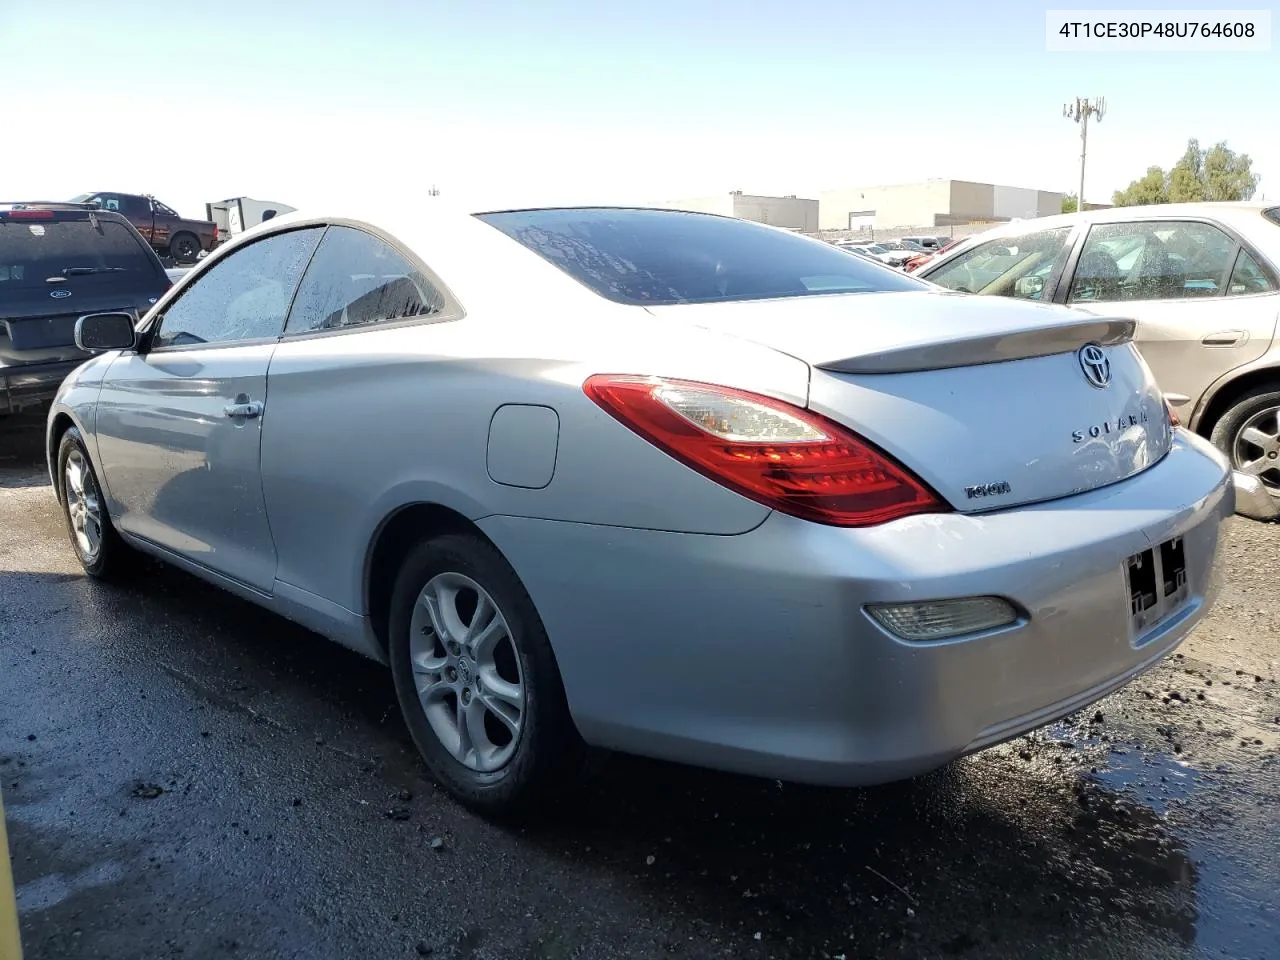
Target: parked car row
(591,507)
(899,253)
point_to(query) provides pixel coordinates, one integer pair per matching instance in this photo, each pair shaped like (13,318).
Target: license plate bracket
(1157,585)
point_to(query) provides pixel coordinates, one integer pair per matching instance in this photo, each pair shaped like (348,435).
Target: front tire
(477,680)
(1249,434)
(98,547)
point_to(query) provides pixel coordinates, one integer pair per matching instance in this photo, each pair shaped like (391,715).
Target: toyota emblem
(1096,366)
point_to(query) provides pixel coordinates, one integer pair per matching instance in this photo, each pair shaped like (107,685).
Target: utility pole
(1080,111)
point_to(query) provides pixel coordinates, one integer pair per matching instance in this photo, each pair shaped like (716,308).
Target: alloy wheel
(84,506)
(467,673)
(1256,447)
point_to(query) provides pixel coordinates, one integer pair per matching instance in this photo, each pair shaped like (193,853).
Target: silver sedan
(649,481)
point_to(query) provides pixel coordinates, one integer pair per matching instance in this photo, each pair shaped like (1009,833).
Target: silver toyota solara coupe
(666,483)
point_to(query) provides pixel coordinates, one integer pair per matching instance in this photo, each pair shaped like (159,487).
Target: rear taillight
(777,454)
(215,233)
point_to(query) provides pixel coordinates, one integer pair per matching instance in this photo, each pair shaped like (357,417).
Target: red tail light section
(27,214)
(777,454)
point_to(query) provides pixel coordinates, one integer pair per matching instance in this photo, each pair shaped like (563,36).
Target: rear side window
(355,280)
(661,257)
(1248,277)
(37,253)
(1153,260)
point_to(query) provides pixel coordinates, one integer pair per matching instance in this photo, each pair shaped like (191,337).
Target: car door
(1204,301)
(340,375)
(179,420)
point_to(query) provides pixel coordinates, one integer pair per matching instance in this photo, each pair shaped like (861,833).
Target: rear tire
(477,680)
(98,547)
(184,248)
(1249,434)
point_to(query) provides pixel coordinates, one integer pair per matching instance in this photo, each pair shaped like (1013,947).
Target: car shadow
(22,462)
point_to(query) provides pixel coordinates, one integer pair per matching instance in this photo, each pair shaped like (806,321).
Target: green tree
(1070,203)
(1218,173)
(1227,175)
(1147,189)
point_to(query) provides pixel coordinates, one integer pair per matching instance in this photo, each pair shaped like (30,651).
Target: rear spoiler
(989,348)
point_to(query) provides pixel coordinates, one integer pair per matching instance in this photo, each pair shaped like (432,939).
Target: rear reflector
(943,619)
(785,457)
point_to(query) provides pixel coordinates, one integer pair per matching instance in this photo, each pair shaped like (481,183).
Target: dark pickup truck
(59,261)
(178,237)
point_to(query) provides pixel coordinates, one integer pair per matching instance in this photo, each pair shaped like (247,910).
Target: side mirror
(1029,287)
(100,332)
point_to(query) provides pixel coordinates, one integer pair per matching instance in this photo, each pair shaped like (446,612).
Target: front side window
(245,296)
(1007,267)
(1153,260)
(354,280)
(663,257)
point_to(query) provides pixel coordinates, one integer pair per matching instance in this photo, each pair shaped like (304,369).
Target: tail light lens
(777,454)
(27,214)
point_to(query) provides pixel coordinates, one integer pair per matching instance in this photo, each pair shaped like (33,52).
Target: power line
(1080,111)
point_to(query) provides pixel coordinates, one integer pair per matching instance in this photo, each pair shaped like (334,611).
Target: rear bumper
(754,653)
(33,384)
(1252,498)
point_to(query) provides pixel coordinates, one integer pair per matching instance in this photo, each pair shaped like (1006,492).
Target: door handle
(1225,338)
(247,409)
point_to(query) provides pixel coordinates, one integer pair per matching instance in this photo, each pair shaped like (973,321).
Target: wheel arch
(59,423)
(397,534)
(1226,393)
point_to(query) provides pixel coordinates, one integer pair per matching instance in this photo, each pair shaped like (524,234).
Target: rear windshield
(32,251)
(657,257)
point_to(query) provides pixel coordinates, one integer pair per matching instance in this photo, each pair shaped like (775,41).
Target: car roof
(1228,211)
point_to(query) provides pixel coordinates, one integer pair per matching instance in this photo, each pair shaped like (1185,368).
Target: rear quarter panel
(358,425)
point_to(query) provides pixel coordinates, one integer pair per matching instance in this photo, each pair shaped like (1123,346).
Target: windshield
(33,252)
(657,257)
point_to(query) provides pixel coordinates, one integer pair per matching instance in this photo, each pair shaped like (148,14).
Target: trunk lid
(988,400)
(36,327)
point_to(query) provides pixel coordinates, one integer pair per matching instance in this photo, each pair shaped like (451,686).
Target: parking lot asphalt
(187,776)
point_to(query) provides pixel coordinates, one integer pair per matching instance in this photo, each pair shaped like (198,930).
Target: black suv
(59,261)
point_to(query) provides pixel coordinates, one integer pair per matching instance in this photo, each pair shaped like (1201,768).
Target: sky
(499,103)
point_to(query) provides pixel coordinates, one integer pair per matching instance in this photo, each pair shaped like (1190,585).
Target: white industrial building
(791,212)
(932,203)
